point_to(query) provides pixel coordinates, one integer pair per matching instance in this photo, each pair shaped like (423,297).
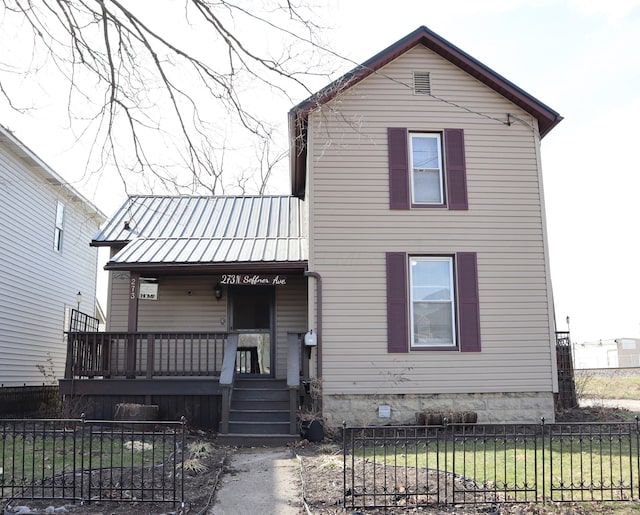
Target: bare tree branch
(151,96)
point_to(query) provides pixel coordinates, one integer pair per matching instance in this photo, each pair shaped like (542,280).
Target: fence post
(183,422)
(544,462)
(344,465)
(637,419)
(447,477)
(83,420)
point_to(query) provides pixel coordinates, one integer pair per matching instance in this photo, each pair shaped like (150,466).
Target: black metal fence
(458,464)
(84,460)
(28,401)
(81,322)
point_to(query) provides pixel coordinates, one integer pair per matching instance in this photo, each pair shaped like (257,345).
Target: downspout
(318,279)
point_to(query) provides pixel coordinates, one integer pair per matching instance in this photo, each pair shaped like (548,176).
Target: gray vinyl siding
(352,227)
(37,283)
(118,301)
(177,310)
(291,316)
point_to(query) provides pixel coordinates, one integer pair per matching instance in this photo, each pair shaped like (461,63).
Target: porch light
(217,291)
(78,299)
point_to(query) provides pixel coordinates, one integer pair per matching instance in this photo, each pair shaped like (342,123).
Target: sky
(580,57)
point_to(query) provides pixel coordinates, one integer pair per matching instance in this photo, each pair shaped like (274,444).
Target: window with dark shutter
(468,302)
(398,168)
(455,168)
(399,312)
(397,321)
(400,193)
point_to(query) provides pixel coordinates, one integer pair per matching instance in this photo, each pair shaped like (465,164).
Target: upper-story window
(426,169)
(59,229)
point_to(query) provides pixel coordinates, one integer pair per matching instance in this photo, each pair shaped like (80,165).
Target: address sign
(253,279)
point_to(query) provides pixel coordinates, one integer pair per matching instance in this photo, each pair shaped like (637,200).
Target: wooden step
(259,410)
(258,428)
(265,415)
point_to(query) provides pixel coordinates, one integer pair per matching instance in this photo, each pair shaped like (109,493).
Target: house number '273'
(234,279)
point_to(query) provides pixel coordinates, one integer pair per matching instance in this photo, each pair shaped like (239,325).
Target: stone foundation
(365,409)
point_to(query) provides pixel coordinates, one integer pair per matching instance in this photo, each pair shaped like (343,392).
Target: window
(432,312)
(426,169)
(432,302)
(57,235)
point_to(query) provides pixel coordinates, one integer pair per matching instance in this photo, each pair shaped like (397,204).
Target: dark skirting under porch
(197,399)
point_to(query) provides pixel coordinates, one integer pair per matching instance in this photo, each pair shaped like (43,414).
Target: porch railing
(144,354)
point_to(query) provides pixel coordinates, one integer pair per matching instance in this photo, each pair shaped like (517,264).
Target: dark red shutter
(398,168)
(468,302)
(397,325)
(456,169)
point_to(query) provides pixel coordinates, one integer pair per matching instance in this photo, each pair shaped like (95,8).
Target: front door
(252,315)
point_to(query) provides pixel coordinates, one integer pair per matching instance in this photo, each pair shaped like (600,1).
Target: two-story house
(421,171)
(47,267)
(411,256)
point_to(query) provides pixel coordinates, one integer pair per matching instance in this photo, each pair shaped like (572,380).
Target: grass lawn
(614,387)
(25,458)
(597,465)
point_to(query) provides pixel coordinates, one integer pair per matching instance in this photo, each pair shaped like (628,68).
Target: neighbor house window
(432,305)
(426,169)
(57,236)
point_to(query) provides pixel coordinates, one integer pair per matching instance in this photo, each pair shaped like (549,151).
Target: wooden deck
(185,374)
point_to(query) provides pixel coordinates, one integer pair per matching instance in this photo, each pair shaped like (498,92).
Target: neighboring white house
(45,225)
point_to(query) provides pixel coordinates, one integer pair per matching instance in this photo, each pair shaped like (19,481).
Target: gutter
(318,279)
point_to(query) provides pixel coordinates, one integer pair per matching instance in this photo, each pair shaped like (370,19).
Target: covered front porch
(185,374)
(208,301)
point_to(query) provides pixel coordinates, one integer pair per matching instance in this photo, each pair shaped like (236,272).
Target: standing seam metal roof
(191,230)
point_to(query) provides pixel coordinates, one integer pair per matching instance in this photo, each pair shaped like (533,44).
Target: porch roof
(186,231)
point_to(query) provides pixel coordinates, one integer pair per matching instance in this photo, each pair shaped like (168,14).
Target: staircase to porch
(260,413)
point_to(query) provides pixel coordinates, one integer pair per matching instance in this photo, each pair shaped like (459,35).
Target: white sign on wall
(148,291)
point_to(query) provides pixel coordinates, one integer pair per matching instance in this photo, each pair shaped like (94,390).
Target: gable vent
(421,83)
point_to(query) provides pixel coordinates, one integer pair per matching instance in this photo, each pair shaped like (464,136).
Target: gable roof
(298,115)
(45,173)
(178,232)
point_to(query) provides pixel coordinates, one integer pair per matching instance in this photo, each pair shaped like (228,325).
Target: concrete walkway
(260,480)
